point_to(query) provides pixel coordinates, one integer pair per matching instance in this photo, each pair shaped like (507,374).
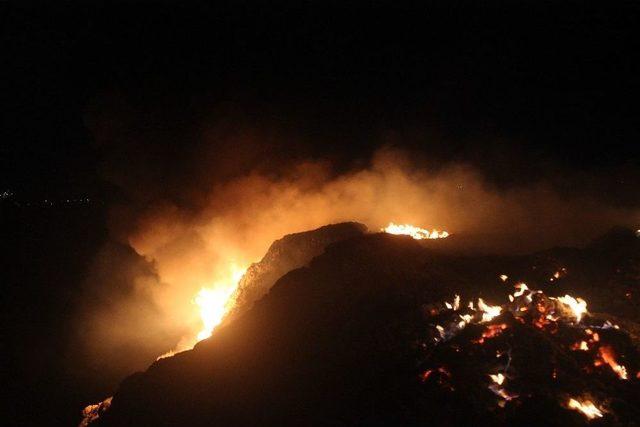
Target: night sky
(536,88)
(133,101)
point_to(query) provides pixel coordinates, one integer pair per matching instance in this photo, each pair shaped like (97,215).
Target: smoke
(191,235)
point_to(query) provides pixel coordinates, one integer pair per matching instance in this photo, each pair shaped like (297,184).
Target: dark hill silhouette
(348,340)
(286,254)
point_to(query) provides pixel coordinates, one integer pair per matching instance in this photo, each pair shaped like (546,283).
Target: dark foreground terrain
(370,333)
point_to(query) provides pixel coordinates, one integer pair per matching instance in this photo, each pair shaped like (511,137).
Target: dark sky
(527,90)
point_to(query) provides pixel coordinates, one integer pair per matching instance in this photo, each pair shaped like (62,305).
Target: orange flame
(609,357)
(213,304)
(415,232)
(216,301)
(582,346)
(489,311)
(587,407)
(577,306)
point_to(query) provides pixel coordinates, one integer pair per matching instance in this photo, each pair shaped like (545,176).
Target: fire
(582,346)
(609,357)
(213,303)
(415,232)
(456,303)
(550,315)
(587,407)
(489,311)
(578,306)
(92,412)
(521,289)
(441,371)
(491,332)
(497,378)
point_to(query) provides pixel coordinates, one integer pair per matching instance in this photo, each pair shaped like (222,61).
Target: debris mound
(286,254)
(388,330)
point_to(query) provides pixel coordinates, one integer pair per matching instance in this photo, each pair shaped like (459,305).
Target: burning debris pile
(534,351)
(396,330)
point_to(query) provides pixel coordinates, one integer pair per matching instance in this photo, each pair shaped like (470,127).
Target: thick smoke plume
(145,302)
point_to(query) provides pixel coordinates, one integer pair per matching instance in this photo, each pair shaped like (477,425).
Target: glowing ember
(456,303)
(441,331)
(587,407)
(578,306)
(521,289)
(93,412)
(497,378)
(489,311)
(415,232)
(466,317)
(609,357)
(491,331)
(549,314)
(582,346)
(504,277)
(428,373)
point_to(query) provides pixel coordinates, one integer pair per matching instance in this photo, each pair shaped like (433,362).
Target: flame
(497,378)
(587,407)
(546,313)
(521,289)
(582,346)
(466,317)
(456,303)
(92,412)
(609,357)
(489,311)
(413,231)
(215,302)
(578,306)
